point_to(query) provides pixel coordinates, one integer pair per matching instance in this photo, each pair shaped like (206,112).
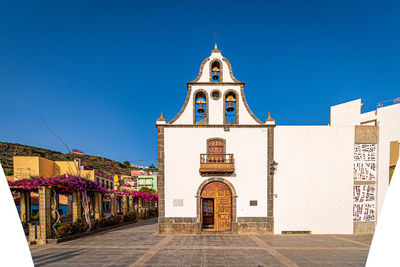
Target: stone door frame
(234,198)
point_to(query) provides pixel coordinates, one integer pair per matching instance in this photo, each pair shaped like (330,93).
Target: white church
(223,169)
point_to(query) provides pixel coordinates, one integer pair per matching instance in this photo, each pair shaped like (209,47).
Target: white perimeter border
(14,249)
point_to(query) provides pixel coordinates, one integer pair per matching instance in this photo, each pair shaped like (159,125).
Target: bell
(230,107)
(200,109)
(215,76)
(230,98)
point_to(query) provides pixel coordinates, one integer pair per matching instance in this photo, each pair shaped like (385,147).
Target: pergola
(87,200)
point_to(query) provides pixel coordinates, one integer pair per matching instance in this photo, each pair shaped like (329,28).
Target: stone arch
(234,198)
(205,94)
(236,104)
(220,72)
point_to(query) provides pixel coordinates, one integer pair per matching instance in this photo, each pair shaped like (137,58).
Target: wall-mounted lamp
(272,168)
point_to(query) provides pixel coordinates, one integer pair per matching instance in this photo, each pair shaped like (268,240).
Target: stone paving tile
(86,257)
(329,257)
(210,257)
(117,239)
(367,239)
(305,241)
(211,240)
(202,250)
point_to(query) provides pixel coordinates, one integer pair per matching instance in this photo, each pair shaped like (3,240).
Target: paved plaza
(140,245)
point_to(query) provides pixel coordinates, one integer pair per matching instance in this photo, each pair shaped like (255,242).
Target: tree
(126,163)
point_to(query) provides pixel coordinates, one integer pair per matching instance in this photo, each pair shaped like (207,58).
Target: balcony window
(216,161)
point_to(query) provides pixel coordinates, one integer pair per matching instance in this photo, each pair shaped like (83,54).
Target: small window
(215,94)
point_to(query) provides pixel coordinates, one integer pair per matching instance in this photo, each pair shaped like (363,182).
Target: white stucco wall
(346,114)
(314,179)
(216,107)
(183,147)
(388,120)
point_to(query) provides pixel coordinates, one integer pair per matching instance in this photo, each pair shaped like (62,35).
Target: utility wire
(51,130)
(143,159)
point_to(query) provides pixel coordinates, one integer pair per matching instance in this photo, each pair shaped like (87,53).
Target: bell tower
(215,97)
(213,146)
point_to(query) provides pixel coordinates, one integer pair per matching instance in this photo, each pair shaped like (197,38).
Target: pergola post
(98,210)
(54,205)
(124,204)
(130,203)
(44,214)
(137,205)
(140,202)
(25,206)
(92,204)
(147,205)
(76,206)
(113,205)
(117,204)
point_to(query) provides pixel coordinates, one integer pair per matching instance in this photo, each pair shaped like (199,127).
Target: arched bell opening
(216,71)
(231,109)
(200,107)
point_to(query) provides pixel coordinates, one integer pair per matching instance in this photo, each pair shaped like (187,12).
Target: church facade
(222,169)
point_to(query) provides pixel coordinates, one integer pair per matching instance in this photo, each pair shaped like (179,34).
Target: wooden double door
(216,209)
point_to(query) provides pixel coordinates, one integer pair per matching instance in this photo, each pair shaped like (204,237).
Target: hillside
(8,150)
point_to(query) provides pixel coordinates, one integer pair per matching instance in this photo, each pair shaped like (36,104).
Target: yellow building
(27,166)
(126,182)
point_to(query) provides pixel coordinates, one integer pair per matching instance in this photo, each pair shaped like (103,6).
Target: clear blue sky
(101,72)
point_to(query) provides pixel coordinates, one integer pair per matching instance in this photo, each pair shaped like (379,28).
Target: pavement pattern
(140,245)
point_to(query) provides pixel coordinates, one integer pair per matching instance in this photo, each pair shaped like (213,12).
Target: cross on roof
(215,41)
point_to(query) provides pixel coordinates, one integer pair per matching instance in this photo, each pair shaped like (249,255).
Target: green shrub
(64,230)
(96,224)
(104,222)
(35,217)
(153,213)
(79,226)
(115,220)
(57,225)
(71,229)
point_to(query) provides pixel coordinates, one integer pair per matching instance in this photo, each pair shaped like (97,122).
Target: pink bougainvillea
(67,184)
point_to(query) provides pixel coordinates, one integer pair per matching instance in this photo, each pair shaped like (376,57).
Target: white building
(222,169)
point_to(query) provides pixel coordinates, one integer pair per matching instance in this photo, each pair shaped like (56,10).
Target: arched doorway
(216,207)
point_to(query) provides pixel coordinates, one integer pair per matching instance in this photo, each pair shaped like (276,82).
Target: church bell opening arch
(216,205)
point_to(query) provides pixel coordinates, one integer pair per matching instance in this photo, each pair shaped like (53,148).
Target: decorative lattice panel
(364,164)
(364,202)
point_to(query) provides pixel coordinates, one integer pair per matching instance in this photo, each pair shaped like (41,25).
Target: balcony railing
(216,163)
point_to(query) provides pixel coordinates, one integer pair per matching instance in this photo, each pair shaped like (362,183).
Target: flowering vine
(66,184)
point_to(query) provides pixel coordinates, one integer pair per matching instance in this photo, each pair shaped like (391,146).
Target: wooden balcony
(216,164)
